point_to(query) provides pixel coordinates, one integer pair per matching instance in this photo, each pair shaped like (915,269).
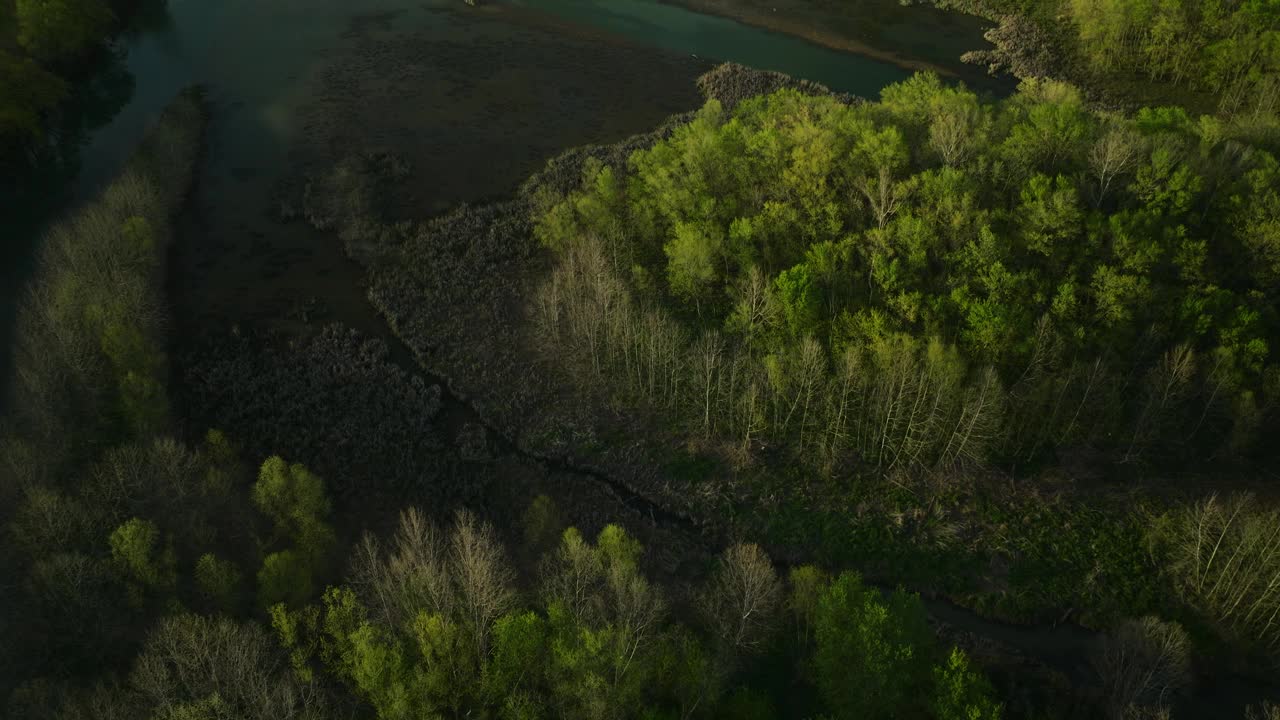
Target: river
(482,96)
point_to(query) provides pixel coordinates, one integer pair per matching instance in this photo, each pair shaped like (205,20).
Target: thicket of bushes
(334,398)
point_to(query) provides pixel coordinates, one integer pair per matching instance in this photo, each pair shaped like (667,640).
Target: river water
(478,97)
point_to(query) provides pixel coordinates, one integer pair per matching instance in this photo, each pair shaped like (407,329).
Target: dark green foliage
(1078,556)
(220,582)
(89,358)
(292,497)
(1227,49)
(960,693)
(873,653)
(79,610)
(599,643)
(27,93)
(61,30)
(336,399)
(285,577)
(746,704)
(99,507)
(542,523)
(144,558)
(295,501)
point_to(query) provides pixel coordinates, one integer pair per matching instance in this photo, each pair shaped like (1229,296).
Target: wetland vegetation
(383,384)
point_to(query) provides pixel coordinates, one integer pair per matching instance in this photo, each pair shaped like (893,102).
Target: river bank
(1017,46)
(882,29)
(477,98)
(1027,46)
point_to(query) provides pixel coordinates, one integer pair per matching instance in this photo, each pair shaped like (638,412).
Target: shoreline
(955,70)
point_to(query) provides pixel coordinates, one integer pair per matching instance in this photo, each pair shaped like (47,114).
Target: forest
(930,282)
(926,290)
(209,590)
(909,363)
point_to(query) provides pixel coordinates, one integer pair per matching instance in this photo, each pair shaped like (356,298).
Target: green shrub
(27,93)
(286,577)
(149,564)
(961,693)
(219,582)
(542,523)
(872,658)
(292,496)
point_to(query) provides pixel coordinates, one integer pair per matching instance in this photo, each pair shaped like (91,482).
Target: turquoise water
(676,29)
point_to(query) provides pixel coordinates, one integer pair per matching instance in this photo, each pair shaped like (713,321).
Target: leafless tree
(975,427)
(188,658)
(1226,552)
(412,577)
(482,575)
(883,194)
(571,576)
(953,133)
(1115,153)
(1264,711)
(1145,712)
(742,597)
(708,357)
(755,309)
(1143,663)
(637,608)
(1167,386)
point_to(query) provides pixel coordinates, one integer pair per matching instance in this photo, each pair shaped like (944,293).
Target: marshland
(638,359)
